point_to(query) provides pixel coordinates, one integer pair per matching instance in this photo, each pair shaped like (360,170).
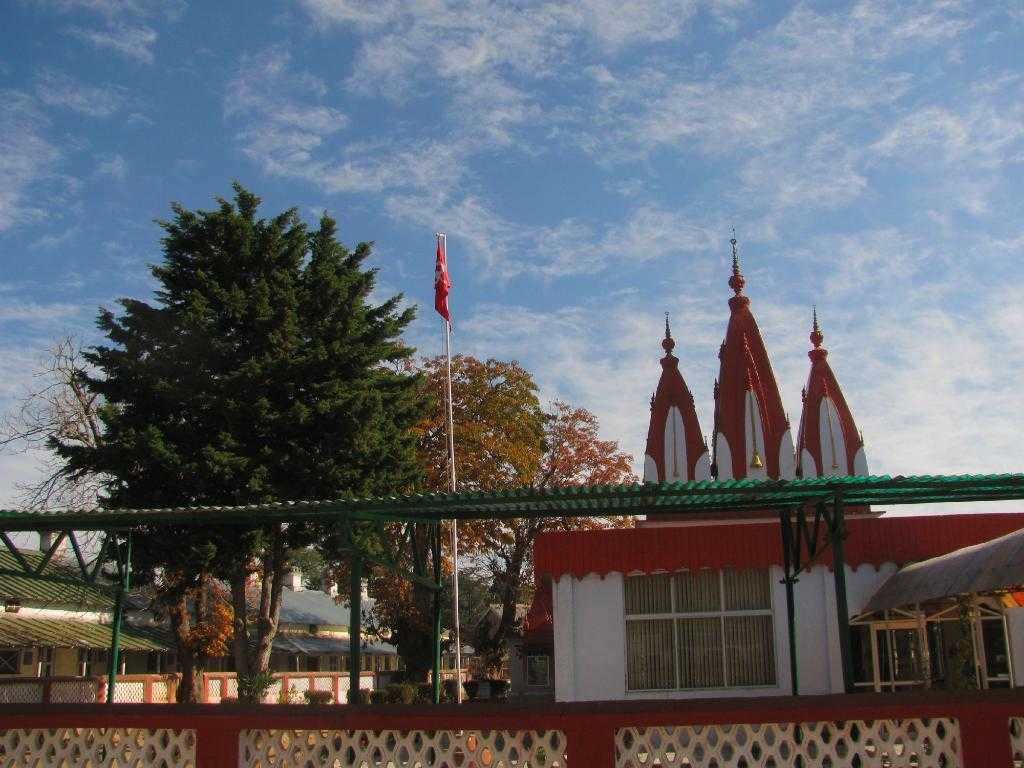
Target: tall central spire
(752,437)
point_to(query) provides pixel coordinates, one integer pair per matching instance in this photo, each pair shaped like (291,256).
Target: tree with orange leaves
(503,439)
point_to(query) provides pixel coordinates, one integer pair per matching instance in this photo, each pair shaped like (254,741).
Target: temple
(708,604)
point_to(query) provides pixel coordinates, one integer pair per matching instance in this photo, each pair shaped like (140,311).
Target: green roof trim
(25,631)
(585,501)
(71,591)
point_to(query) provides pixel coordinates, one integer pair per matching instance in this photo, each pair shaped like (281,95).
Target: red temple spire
(676,450)
(752,436)
(828,442)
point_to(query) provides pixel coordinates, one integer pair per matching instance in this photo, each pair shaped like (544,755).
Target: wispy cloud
(133,42)
(56,88)
(26,158)
(115,167)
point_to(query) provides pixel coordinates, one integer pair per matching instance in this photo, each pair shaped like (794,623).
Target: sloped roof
(37,592)
(20,631)
(874,540)
(319,645)
(530,502)
(990,566)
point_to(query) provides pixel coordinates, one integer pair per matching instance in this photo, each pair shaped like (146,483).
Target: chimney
(45,541)
(293,580)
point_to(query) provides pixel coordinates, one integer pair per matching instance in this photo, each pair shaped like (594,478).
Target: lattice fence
(402,749)
(919,743)
(1017,740)
(130,692)
(84,691)
(16,691)
(98,748)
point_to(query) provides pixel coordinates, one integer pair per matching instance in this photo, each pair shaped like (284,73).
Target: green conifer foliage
(261,372)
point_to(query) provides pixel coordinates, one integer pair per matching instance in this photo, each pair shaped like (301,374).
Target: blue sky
(587,160)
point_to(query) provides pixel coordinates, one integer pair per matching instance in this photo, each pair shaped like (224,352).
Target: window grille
(9,662)
(699,629)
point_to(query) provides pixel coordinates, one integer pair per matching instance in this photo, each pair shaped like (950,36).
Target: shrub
(252,688)
(379,697)
(318,697)
(359,696)
(472,687)
(401,693)
(499,688)
(229,700)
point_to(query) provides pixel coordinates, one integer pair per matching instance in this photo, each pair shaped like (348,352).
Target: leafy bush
(252,688)
(402,693)
(379,697)
(318,697)
(471,686)
(229,700)
(359,696)
(499,688)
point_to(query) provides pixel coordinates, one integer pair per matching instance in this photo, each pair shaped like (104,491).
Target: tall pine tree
(262,372)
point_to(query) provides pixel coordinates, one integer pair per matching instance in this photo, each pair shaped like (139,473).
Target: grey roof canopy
(993,565)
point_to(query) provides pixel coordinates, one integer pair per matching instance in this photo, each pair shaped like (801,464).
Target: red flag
(441,282)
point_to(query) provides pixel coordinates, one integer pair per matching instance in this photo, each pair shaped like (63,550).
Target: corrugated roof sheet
(21,631)
(874,540)
(319,645)
(992,565)
(574,501)
(36,592)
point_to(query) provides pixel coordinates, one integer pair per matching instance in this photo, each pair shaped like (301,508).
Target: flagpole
(451,478)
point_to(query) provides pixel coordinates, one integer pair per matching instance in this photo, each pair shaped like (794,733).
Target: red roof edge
(870,540)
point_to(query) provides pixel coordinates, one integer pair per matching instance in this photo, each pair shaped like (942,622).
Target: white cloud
(134,42)
(57,89)
(26,158)
(115,167)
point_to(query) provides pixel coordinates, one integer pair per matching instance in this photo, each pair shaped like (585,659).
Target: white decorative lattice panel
(918,743)
(98,748)
(402,749)
(1017,740)
(133,692)
(17,692)
(73,691)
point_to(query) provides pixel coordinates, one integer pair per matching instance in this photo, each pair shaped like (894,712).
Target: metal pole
(789,580)
(354,627)
(124,568)
(455,523)
(439,583)
(837,532)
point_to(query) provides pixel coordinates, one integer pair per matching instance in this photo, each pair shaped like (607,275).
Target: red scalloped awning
(875,540)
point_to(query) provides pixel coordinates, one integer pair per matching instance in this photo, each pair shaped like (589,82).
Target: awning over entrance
(29,631)
(992,565)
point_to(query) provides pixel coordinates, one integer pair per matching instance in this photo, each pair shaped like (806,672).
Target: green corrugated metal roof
(22,631)
(38,592)
(585,501)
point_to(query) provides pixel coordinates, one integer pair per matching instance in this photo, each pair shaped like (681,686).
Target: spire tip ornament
(668,344)
(816,335)
(736,282)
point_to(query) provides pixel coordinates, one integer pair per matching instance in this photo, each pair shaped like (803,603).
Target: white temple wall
(1015,632)
(590,642)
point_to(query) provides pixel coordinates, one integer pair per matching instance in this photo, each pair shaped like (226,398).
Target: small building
(50,629)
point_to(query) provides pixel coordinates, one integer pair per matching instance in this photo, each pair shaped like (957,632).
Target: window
(9,662)
(699,629)
(45,668)
(332,664)
(92,662)
(538,671)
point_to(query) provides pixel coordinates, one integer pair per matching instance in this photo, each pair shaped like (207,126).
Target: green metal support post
(837,532)
(355,609)
(789,579)
(124,570)
(436,551)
